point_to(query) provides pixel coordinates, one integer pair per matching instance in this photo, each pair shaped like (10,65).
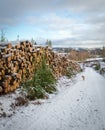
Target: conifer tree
(42,82)
(2,36)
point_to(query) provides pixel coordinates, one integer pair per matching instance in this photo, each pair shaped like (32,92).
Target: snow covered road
(77,106)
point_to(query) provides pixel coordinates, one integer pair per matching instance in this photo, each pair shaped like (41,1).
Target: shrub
(103,60)
(97,67)
(70,72)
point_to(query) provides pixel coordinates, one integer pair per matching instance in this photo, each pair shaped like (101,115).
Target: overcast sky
(65,22)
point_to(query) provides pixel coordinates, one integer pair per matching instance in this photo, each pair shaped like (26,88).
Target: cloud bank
(65,22)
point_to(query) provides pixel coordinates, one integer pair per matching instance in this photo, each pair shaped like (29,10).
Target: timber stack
(19,61)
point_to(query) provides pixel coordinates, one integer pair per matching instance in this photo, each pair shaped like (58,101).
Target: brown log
(1,89)
(9,45)
(5,84)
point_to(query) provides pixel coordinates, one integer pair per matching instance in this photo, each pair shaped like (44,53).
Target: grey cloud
(11,9)
(96,19)
(77,43)
(91,29)
(80,32)
(16,8)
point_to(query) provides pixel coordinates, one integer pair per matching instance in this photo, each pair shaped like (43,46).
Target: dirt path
(77,107)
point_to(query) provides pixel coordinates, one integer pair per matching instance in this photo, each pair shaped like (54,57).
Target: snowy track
(76,107)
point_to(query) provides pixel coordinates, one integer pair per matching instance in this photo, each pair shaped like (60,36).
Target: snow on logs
(19,61)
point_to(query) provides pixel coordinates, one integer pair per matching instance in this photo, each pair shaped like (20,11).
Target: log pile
(19,61)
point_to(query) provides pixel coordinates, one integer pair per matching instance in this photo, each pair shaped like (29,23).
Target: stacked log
(18,62)
(14,61)
(60,63)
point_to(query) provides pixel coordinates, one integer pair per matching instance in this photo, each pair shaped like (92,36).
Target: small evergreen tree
(46,77)
(33,42)
(2,36)
(18,38)
(49,43)
(42,81)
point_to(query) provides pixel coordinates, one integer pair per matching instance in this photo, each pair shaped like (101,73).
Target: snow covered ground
(78,105)
(93,59)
